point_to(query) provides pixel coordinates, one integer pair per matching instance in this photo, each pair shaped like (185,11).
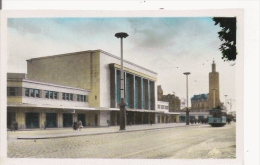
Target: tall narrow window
(51,94)
(63,96)
(32,92)
(71,97)
(46,94)
(67,96)
(55,95)
(37,93)
(26,92)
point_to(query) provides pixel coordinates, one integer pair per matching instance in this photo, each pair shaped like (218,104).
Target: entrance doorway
(51,119)
(67,120)
(96,119)
(10,119)
(32,120)
(82,118)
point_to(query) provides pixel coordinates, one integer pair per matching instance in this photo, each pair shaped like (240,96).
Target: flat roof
(89,51)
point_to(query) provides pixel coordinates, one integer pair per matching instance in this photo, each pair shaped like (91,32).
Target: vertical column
(134,92)
(112,86)
(60,119)
(148,98)
(142,93)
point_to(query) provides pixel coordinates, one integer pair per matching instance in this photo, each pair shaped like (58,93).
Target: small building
(166,116)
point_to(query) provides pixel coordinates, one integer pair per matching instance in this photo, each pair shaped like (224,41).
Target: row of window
(30,92)
(162,107)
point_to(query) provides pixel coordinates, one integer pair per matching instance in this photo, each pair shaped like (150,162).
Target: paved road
(186,142)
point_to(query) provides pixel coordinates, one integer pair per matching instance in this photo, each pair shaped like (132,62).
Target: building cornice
(47,84)
(90,51)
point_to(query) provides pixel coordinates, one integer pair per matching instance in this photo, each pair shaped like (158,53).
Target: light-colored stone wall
(80,70)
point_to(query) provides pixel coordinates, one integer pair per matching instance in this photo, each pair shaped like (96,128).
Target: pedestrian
(151,122)
(45,124)
(75,126)
(80,125)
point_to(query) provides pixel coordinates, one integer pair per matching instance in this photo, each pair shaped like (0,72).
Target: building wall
(21,98)
(87,70)
(161,106)
(79,70)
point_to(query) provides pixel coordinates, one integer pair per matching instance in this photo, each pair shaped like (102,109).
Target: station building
(81,86)
(31,103)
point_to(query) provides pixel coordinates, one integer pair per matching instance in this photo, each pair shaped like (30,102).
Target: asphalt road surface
(191,142)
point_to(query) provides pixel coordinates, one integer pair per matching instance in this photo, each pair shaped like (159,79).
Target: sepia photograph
(131,86)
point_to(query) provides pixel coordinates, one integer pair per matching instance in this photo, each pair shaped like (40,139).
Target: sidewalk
(69,132)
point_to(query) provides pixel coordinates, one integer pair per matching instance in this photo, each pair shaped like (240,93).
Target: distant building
(200,103)
(159,92)
(166,116)
(203,102)
(174,101)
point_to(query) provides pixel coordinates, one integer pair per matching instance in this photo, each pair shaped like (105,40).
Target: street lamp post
(226,101)
(122,105)
(187,109)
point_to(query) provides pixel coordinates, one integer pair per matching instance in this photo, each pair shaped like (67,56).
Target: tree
(228,36)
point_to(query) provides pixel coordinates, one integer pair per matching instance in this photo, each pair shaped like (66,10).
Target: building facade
(166,116)
(174,101)
(98,73)
(200,103)
(32,103)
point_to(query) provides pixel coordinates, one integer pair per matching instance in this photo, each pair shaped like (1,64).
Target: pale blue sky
(166,45)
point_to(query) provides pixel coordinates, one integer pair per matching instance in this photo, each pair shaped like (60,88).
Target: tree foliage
(228,36)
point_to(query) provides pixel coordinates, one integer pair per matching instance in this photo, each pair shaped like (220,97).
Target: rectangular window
(51,94)
(63,96)
(37,93)
(162,107)
(158,106)
(26,92)
(32,92)
(84,98)
(71,97)
(55,95)
(67,96)
(12,91)
(77,97)
(46,94)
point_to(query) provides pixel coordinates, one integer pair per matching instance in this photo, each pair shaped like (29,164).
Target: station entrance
(67,120)
(32,120)
(51,119)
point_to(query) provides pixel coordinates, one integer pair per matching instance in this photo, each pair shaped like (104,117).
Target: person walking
(75,126)
(80,125)
(151,122)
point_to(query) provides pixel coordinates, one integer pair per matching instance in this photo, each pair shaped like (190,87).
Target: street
(186,142)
